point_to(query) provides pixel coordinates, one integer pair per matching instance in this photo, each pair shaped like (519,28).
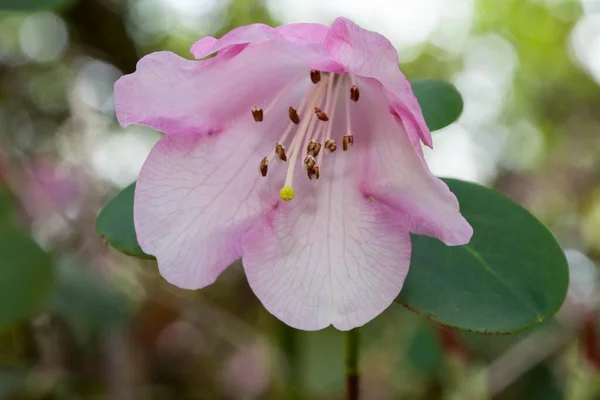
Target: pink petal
(195,198)
(330,256)
(298,34)
(175,95)
(397,176)
(369,54)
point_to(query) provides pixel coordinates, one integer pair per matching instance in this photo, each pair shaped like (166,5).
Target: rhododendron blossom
(297,149)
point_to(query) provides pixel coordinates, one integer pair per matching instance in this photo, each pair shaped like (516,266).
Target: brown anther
(315,76)
(294,115)
(257,113)
(354,93)
(280,152)
(309,163)
(317,149)
(313,148)
(348,142)
(330,145)
(314,172)
(264,166)
(321,115)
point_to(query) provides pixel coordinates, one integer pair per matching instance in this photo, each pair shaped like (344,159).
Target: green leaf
(115,224)
(513,274)
(32,5)
(440,102)
(26,271)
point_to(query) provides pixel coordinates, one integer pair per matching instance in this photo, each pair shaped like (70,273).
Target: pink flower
(347,129)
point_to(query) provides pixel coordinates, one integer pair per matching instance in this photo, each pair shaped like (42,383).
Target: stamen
(257,113)
(294,115)
(315,76)
(329,142)
(313,148)
(354,93)
(280,152)
(330,83)
(314,172)
(321,115)
(287,192)
(288,129)
(348,141)
(309,163)
(330,145)
(264,166)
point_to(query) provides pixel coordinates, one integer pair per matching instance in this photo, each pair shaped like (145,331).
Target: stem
(352,344)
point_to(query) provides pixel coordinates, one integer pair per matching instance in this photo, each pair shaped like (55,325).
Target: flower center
(313,125)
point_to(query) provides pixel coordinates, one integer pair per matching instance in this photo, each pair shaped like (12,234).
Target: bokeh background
(106,326)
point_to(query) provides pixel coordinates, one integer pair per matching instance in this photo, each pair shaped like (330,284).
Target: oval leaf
(115,224)
(440,102)
(512,274)
(26,272)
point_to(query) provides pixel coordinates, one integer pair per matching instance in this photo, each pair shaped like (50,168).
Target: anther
(313,148)
(257,113)
(321,115)
(280,152)
(309,163)
(354,93)
(315,76)
(348,142)
(314,172)
(330,145)
(294,115)
(264,166)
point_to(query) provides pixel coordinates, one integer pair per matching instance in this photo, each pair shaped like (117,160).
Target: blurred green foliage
(26,273)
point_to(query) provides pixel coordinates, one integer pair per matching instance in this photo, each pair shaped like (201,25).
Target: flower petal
(330,256)
(175,95)
(195,198)
(298,34)
(369,54)
(397,175)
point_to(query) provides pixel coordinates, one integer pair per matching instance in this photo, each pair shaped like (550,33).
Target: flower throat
(313,120)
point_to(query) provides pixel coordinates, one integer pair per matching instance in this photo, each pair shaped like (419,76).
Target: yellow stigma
(286,193)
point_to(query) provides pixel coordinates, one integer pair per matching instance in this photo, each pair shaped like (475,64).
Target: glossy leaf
(513,274)
(26,271)
(440,102)
(115,224)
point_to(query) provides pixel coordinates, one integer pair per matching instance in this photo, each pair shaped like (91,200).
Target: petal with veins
(195,198)
(396,175)
(370,55)
(175,95)
(333,257)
